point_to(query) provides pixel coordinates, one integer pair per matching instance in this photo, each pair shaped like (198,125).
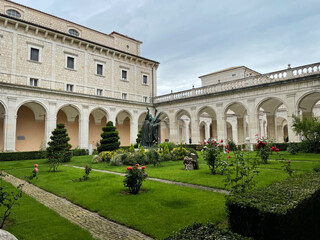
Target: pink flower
(257,139)
(36,165)
(35,169)
(129,168)
(137,165)
(256,134)
(143,167)
(228,151)
(277,150)
(262,136)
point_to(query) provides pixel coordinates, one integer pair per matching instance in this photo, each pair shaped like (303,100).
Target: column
(195,131)
(207,130)
(253,122)
(84,127)
(292,110)
(271,121)
(51,121)
(134,125)
(234,124)
(241,137)
(10,124)
(221,124)
(173,128)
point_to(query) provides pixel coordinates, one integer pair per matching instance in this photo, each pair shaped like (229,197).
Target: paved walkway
(164,181)
(99,227)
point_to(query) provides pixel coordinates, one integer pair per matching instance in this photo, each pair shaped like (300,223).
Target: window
(99,69)
(70,62)
(99,92)
(145,99)
(13,13)
(70,87)
(124,96)
(124,75)
(74,32)
(233,75)
(34,54)
(33,82)
(145,79)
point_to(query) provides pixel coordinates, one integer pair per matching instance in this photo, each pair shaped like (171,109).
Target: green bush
(110,138)
(170,145)
(205,232)
(193,146)
(179,153)
(12,156)
(136,158)
(153,157)
(118,159)
(307,147)
(79,152)
(293,148)
(282,146)
(283,210)
(192,150)
(165,157)
(232,146)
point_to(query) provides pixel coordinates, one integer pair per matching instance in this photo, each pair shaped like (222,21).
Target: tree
(59,148)
(309,129)
(110,138)
(138,140)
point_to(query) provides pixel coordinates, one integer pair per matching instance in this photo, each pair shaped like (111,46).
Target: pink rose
(143,167)
(35,169)
(36,165)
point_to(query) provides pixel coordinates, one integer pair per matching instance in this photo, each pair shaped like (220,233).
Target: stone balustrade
(289,73)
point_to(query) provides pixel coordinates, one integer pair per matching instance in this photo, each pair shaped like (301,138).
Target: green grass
(159,210)
(30,220)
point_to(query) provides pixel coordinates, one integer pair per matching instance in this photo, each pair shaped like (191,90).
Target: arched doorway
(183,121)
(123,124)
(208,129)
(97,120)
(30,128)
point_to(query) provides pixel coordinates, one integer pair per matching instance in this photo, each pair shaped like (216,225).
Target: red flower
(221,140)
(289,161)
(137,165)
(228,151)
(143,167)
(129,168)
(277,150)
(273,148)
(215,142)
(229,156)
(227,146)
(244,150)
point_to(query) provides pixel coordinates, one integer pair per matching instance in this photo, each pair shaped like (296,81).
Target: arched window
(13,13)
(74,32)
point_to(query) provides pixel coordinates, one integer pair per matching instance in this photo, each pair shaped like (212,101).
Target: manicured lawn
(30,220)
(159,210)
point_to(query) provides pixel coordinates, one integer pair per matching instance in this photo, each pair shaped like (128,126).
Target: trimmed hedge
(283,210)
(205,232)
(12,156)
(194,146)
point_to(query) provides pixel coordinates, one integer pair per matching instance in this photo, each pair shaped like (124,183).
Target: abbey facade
(55,71)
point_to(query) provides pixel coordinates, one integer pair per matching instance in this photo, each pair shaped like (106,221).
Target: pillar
(221,124)
(240,126)
(84,127)
(291,110)
(51,121)
(271,121)
(10,124)
(253,122)
(134,125)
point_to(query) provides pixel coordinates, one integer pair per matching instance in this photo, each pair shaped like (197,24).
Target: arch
(209,114)
(277,102)
(164,127)
(307,102)
(30,126)
(209,110)
(3,111)
(69,115)
(182,112)
(183,122)
(123,124)
(98,118)
(237,107)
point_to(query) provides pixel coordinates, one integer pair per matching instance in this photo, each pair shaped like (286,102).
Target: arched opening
(309,105)
(2,119)
(30,130)
(272,118)
(123,122)
(97,120)
(203,132)
(209,117)
(236,123)
(69,116)
(184,126)
(164,128)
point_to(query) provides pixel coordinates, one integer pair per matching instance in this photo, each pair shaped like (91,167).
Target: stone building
(53,70)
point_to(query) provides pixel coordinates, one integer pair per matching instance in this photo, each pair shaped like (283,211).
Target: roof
(228,69)
(125,36)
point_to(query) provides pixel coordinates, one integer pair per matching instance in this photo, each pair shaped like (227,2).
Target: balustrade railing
(289,73)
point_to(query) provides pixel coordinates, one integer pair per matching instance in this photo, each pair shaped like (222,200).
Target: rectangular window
(145,79)
(124,74)
(70,62)
(33,82)
(34,54)
(70,87)
(99,69)
(124,96)
(233,75)
(145,99)
(99,92)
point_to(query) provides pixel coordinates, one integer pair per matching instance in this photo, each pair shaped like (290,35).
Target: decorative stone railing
(289,73)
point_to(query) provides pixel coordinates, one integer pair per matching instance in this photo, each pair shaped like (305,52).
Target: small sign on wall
(21,138)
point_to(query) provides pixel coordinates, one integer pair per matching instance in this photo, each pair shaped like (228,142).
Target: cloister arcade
(28,125)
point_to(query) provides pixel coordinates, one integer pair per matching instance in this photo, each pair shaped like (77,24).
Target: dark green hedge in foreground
(205,232)
(285,210)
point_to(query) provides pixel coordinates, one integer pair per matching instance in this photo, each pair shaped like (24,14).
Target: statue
(150,129)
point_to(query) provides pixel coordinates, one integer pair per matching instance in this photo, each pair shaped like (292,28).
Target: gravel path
(99,227)
(164,181)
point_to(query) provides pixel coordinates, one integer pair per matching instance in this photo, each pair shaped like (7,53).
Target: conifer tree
(138,140)
(59,148)
(110,138)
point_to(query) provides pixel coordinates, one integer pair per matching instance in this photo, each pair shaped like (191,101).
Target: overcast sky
(191,38)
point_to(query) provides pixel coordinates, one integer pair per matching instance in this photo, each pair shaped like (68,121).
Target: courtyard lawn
(159,210)
(31,220)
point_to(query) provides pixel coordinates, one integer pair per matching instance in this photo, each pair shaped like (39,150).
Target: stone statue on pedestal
(150,129)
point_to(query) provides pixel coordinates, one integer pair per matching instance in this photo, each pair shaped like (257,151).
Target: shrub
(59,148)
(12,156)
(138,140)
(107,155)
(142,149)
(264,147)
(96,159)
(165,157)
(191,150)
(232,146)
(170,145)
(205,232)
(306,147)
(134,178)
(153,157)
(166,149)
(179,153)
(214,156)
(282,146)
(283,210)
(136,158)
(293,148)
(110,138)
(79,152)
(119,159)
(131,149)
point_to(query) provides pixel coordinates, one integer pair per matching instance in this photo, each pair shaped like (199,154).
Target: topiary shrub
(59,148)
(136,158)
(131,149)
(138,140)
(153,157)
(179,153)
(119,159)
(110,138)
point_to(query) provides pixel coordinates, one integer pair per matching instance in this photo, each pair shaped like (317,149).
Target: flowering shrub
(287,167)
(215,156)
(134,178)
(264,149)
(179,153)
(33,175)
